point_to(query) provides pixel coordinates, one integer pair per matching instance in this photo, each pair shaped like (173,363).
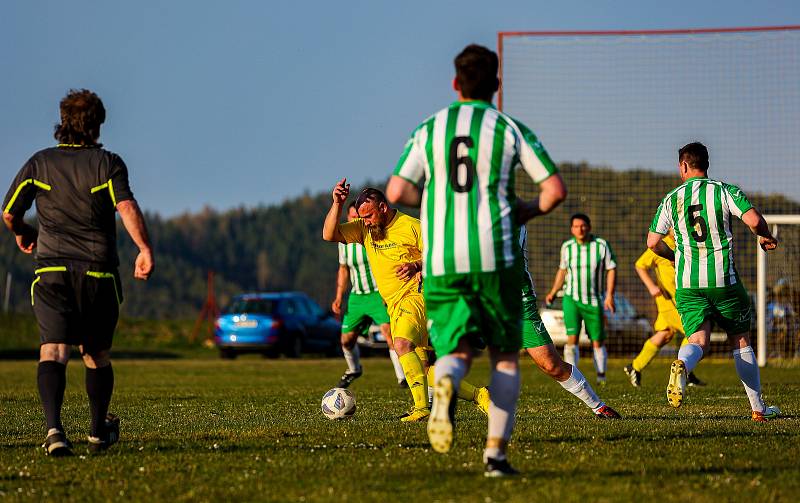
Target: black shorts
(76,304)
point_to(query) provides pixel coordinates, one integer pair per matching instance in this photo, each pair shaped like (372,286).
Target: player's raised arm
(758,226)
(330,230)
(401,191)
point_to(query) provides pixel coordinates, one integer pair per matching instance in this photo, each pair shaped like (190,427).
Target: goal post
(761,286)
(612,108)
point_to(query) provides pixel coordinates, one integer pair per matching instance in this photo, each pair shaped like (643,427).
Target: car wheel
(334,350)
(293,348)
(227,354)
(271,353)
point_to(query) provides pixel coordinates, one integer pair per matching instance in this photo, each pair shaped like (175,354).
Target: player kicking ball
(364,307)
(539,346)
(668,321)
(465,155)
(393,243)
(708,286)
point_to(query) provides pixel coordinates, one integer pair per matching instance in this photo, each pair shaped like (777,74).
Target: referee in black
(77,186)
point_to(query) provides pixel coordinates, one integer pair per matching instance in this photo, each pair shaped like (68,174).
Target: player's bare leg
(570,378)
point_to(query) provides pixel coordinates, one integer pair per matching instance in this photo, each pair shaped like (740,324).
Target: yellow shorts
(408,320)
(668,320)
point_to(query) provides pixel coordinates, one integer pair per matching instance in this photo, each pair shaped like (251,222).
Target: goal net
(778,294)
(613,108)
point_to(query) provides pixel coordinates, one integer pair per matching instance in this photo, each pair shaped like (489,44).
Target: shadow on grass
(123,354)
(646,437)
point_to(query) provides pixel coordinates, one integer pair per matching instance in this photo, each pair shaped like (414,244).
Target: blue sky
(246,103)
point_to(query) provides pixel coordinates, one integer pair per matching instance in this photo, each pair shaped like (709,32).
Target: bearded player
(393,242)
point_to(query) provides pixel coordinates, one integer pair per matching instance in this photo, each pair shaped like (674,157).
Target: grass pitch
(251,430)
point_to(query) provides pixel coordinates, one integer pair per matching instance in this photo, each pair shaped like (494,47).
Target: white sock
(351,356)
(577,385)
(600,360)
(571,354)
(690,354)
(505,386)
(398,369)
(452,366)
(747,368)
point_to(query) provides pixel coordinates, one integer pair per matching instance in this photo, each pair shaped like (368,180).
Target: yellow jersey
(402,244)
(665,274)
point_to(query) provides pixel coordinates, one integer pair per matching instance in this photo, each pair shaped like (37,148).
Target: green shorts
(592,317)
(362,311)
(534,334)
(729,307)
(483,304)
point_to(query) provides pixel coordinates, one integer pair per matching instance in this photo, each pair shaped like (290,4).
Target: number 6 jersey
(700,212)
(467,155)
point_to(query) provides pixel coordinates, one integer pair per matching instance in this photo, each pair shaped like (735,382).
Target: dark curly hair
(82,113)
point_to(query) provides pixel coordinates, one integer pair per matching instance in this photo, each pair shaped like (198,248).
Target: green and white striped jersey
(586,265)
(354,256)
(467,155)
(700,211)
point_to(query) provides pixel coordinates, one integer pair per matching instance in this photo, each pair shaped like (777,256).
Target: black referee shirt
(76,190)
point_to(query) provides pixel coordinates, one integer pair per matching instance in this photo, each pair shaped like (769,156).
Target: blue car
(288,323)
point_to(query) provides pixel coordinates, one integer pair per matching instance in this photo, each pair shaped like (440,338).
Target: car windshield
(251,306)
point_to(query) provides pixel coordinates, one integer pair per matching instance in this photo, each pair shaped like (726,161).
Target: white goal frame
(761,287)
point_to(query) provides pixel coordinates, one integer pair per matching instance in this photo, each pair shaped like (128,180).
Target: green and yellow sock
(649,351)
(415,377)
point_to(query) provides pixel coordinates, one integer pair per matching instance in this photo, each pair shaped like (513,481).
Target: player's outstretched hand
(143,267)
(768,244)
(341,191)
(336,307)
(548,299)
(655,291)
(609,304)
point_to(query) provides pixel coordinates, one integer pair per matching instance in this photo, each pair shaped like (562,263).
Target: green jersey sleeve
(662,221)
(411,165)
(532,155)
(737,201)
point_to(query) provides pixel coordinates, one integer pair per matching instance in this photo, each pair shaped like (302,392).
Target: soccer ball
(339,403)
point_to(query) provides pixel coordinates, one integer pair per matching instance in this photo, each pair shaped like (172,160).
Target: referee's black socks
(99,387)
(52,379)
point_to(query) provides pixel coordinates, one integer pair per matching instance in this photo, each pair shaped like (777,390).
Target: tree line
(279,247)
